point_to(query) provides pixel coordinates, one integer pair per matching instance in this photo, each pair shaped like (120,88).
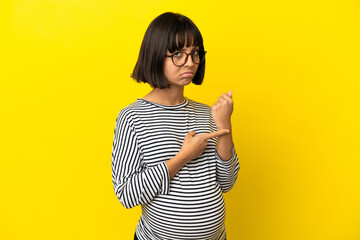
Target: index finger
(216,134)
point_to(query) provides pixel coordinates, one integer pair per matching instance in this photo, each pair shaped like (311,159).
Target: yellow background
(293,67)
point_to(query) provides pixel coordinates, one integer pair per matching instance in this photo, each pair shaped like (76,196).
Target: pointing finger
(216,134)
(230,93)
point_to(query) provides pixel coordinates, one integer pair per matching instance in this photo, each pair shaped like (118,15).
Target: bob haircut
(169,31)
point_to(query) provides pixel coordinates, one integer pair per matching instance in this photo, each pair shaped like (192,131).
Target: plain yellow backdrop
(293,67)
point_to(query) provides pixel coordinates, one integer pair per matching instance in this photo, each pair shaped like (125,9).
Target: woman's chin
(185,81)
(182,82)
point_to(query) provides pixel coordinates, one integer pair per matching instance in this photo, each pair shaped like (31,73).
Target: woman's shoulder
(199,105)
(128,112)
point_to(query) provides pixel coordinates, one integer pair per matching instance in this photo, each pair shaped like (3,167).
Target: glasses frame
(187,56)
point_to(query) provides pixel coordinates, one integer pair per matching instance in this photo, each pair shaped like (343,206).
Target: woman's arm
(221,112)
(133,183)
(227,160)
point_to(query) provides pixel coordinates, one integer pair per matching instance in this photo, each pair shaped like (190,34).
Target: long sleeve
(133,182)
(227,171)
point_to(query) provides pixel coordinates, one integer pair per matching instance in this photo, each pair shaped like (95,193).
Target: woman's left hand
(222,110)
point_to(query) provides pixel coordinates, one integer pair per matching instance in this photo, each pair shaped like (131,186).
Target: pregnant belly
(186,215)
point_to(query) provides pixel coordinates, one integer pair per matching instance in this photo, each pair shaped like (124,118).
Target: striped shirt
(191,204)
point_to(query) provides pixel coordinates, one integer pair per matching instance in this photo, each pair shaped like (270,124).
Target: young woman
(172,155)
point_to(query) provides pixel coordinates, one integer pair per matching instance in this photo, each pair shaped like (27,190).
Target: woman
(172,155)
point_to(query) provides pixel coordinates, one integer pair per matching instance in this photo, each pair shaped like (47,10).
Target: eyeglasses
(180,58)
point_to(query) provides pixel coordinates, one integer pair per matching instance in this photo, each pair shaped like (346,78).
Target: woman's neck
(168,96)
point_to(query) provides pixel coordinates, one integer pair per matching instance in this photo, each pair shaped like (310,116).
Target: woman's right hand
(195,144)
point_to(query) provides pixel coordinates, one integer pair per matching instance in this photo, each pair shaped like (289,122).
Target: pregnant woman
(172,155)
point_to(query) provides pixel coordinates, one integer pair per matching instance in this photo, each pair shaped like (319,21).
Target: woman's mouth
(187,74)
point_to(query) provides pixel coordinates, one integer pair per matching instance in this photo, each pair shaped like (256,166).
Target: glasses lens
(198,56)
(179,58)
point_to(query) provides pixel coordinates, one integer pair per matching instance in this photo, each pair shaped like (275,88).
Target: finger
(215,105)
(230,93)
(227,97)
(222,99)
(216,134)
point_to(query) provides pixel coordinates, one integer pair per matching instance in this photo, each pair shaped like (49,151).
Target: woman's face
(180,76)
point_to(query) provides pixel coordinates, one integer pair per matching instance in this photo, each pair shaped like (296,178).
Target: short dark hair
(169,31)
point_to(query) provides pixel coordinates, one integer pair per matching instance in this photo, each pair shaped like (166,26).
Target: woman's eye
(196,52)
(177,54)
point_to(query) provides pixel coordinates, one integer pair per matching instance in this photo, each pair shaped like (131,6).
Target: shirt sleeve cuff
(226,161)
(165,185)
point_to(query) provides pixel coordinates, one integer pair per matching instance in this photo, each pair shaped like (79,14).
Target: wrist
(226,125)
(182,156)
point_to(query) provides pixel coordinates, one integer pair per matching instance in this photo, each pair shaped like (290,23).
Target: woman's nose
(189,61)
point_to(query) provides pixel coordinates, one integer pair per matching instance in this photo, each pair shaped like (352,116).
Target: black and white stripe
(191,205)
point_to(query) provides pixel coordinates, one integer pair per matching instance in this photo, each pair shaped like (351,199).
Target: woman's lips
(187,74)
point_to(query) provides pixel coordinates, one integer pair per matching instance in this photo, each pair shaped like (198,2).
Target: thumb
(191,133)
